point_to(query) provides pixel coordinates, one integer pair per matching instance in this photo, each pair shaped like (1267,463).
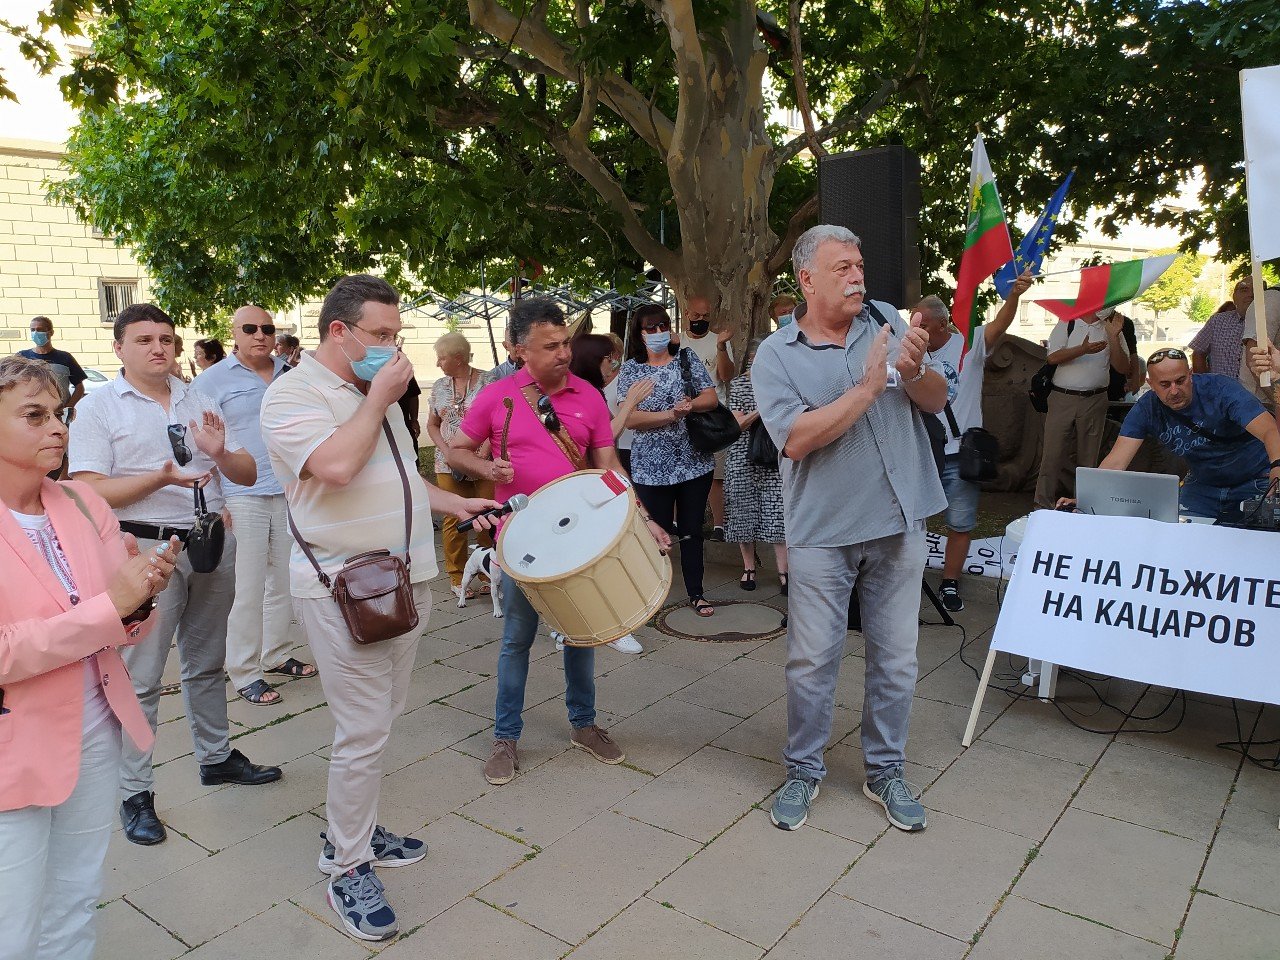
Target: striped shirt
(877,479)
(299,413)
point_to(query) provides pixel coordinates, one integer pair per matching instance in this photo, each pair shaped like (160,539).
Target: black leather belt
(1081,393)
(149,531)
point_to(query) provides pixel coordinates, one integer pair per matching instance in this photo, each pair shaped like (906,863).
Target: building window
(114,296)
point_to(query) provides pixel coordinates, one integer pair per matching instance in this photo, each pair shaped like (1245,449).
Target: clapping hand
(913,348)
(876,375)
(142,576)
(683,407)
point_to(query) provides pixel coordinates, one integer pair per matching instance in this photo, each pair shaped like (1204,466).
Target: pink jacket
(43,639)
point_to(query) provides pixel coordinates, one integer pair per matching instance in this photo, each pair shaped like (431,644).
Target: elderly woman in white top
(451,395)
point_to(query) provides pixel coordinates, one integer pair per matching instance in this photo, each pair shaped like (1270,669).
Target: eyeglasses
(178,441)
(382,339)
(38,418)
(1168,353)
(268,329)
(547,414)
(655,326)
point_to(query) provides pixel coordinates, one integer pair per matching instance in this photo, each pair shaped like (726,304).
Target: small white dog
(482,561)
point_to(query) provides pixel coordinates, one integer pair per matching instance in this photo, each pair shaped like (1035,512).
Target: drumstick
(506,427)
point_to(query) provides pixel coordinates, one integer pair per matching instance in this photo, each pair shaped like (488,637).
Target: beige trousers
(366,686)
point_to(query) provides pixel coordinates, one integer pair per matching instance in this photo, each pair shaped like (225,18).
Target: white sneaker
(627,644)
(558,638)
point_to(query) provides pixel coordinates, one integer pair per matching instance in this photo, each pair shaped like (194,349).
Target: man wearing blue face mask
(70,376)
(345,459)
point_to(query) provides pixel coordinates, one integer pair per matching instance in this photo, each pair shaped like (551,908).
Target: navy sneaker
(357,897)
(389,850)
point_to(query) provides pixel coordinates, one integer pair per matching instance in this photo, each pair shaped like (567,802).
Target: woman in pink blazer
(72,590)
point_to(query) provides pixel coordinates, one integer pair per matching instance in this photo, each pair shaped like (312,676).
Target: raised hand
(209,435)
(876,375)
(389,383)
(913,348)
(1094,346)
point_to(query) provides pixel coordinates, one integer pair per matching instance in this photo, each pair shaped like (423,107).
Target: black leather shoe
(141,825)
(237,769)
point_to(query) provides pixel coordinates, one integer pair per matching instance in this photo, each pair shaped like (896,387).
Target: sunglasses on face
(268,329)
(654,326)
(547,414)
(1168,353)
(178,443)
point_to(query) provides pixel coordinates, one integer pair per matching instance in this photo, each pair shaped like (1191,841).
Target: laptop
(1122,493)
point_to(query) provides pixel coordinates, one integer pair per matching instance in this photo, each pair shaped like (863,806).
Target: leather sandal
(260,693)
(295,668)
(701,607)
(748,581)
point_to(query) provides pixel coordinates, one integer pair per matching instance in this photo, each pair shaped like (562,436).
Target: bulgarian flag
(986,242)
(1109,286)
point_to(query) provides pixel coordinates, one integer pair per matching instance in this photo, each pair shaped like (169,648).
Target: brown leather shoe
(597,742)
(503,763)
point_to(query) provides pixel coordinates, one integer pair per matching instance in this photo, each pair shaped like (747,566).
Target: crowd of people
(208,513)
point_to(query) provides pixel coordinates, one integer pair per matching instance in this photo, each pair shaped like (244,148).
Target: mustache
(853,288)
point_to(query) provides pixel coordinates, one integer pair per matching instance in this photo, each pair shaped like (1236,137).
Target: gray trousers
(195,606)
(887,572)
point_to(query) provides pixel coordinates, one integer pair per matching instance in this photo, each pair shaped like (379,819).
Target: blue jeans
(887,575)
(1202,500)
(519,625)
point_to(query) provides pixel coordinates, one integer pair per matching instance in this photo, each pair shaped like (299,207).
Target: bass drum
(585,559)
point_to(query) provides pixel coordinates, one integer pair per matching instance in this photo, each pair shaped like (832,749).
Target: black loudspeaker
(876,194)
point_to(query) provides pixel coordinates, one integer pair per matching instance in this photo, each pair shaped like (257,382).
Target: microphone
(518,502)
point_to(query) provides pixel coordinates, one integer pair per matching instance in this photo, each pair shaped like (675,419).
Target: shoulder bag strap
(323,577)
(1207,434)
(320,574)
(686,372)
(561,437)
(404,483)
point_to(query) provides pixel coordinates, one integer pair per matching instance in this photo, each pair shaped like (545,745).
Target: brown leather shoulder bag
(372,589)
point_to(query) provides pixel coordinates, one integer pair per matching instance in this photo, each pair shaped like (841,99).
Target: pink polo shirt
(533,452)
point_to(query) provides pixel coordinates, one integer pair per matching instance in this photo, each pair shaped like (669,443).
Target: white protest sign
(989,557)
(1259,94)
(1188,606)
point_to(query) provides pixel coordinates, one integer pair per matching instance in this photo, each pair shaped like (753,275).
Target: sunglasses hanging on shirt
(178,443)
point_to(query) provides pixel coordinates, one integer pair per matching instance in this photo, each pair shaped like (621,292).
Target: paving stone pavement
(1045,841)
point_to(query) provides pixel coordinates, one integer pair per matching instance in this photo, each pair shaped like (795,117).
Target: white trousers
(51,860)
(258,628)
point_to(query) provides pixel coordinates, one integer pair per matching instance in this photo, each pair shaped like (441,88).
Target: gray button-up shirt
(239,391)
(876,480)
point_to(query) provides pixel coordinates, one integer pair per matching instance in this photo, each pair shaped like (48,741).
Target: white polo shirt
(118,432)
(300,411)
(1092,371)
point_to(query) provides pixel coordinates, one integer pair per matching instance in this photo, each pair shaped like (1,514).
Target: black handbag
(1042,381)
(710,431)
(979,448)
(207,537)
(761,450)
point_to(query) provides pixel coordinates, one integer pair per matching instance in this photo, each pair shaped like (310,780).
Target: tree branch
(802,88)
(805,214)
(534,38)
(847,118)
(577,152)
(691,73)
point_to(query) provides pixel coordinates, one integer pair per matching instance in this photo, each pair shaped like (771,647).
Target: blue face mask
(39,338)
(375,358)
(785,319)
(657,342)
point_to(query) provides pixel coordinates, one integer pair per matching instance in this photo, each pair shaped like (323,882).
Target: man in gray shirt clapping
(841,391)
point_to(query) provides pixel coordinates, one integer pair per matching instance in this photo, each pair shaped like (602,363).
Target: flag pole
(1261,336)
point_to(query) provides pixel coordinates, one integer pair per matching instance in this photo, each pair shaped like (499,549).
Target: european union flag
(1032,249)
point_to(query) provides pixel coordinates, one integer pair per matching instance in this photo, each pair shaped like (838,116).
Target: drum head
(567,525)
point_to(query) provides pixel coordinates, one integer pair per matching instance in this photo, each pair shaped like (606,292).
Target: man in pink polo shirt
(546,400)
